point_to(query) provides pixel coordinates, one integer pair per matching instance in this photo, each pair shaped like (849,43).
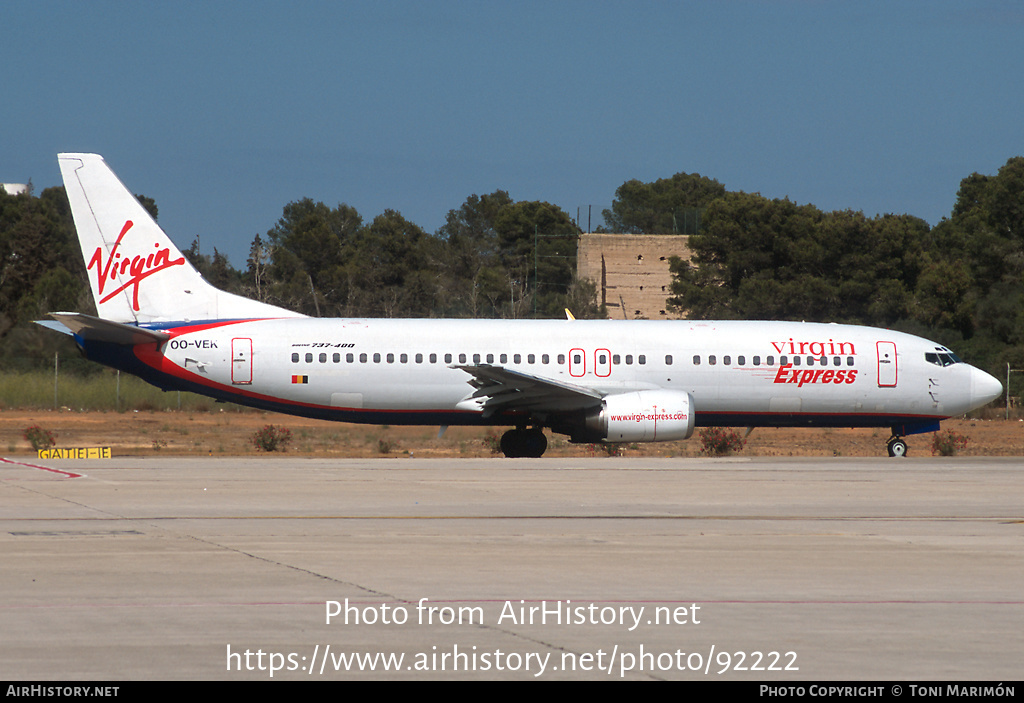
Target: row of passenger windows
(463,358)
(770,360)
(602,359)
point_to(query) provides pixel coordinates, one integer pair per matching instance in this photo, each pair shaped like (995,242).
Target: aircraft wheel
(524,443)
(511,444)
(535,443)
(897,447)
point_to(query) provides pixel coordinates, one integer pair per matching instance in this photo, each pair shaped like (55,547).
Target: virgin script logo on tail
(137,267)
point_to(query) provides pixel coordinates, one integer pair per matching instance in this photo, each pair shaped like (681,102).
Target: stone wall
(631,271)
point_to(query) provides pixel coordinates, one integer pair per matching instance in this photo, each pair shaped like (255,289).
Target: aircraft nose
(984,388)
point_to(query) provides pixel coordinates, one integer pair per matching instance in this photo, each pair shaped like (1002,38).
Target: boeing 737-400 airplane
(595,381)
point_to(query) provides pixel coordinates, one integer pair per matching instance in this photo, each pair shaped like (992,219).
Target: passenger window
(462,358)
(642,359)
(561,358)
(823,361)
(476,358)
(810,361)
(517,358)
(783,360)
(668,360)
(490,358)
(433,358)
(350,357)
(362,358)
(577,359)
(616,359)
(712,360)
(447,358)
(309,358)
(629,359)
(376,357)
(757,361)
(404,358)
(419,358)
(391,358)
(796,361)
(544,358)
(503,359)
(337,358)
(727,360)
(836,361)
(530,358)
(741,361)
(323,358)
(696,359)
(771,361)
(603,359)
(849,361)
(295,358)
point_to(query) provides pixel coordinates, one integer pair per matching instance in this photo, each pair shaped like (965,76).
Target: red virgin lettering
(139,267)
(829,348)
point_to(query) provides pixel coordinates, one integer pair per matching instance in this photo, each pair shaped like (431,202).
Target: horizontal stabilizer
(93,329)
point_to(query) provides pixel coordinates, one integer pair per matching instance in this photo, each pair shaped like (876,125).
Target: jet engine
(643,416)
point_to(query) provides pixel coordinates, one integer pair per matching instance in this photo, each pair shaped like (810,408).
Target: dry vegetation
(221,433)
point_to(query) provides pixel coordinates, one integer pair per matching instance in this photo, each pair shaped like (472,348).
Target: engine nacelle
(644,416)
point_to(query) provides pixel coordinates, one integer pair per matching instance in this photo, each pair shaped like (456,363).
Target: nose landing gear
(896,446)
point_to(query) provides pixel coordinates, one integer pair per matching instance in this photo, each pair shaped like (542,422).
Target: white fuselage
(798,373)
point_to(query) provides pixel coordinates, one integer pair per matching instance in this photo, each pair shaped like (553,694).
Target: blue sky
(226,111)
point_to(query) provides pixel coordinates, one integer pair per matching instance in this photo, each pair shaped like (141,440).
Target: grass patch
(34,390)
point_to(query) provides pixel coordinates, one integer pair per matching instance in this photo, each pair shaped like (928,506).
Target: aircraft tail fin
(136,273)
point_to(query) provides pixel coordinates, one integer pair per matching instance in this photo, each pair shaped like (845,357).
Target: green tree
(501,258)
(312,249)
(668,205)
(149,204)
(476,282)
(36,238)
(215,269)
(538,245)
(971,289)
(773,259)
(397,268)
(41,271)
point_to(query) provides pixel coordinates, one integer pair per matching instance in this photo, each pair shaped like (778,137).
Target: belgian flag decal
(300,379)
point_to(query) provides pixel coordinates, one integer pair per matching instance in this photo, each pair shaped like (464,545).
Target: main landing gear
(896,446)
(522,442)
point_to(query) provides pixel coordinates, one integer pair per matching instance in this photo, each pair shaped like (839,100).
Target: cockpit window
(942,358)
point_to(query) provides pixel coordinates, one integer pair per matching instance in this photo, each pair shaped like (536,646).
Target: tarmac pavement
(604,568)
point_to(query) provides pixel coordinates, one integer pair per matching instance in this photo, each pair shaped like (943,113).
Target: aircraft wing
(499,390)
(94,329)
